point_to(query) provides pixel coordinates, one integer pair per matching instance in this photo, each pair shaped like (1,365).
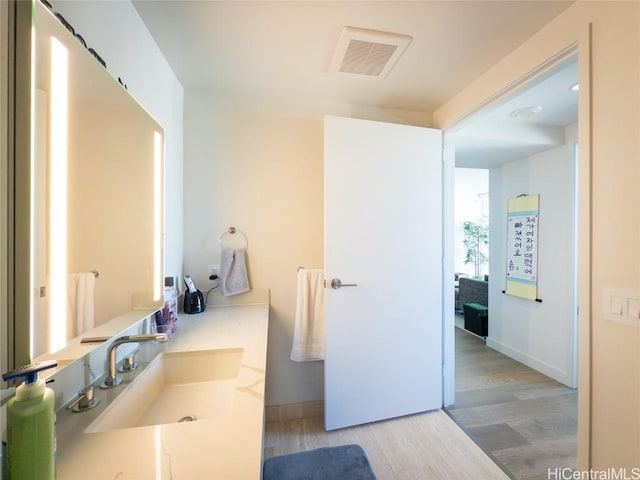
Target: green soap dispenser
(30,425)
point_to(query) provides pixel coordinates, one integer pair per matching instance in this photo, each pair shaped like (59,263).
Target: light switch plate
(633,308)
(615,305)
(621,305)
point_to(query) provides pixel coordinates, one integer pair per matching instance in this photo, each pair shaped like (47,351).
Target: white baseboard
(561,376)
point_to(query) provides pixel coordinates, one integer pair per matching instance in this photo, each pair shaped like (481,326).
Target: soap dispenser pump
(30,425)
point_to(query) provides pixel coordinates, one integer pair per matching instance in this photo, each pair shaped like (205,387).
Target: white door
(383,232)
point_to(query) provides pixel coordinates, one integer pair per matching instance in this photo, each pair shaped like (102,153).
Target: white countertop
(225,448)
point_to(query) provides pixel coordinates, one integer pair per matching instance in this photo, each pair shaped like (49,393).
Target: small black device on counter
(193,298)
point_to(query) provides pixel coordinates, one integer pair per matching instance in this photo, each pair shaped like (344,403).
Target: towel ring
(233,231)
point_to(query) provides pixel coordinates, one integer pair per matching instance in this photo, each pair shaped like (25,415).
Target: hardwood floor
(523,420)
(526,421)
(417,447)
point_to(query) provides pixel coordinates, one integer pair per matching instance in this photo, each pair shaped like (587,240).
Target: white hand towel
(233,272)
(80,303)
(308,333)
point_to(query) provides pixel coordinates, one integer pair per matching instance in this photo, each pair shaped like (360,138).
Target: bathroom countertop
(228,447)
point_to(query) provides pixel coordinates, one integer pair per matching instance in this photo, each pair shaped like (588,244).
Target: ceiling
(494,136)
(283,50)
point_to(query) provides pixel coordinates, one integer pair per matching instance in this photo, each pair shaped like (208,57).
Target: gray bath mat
(346,462)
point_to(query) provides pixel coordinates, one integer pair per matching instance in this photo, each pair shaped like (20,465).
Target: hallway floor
(526,421)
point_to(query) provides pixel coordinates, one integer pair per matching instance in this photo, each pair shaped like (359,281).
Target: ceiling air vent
(368,52)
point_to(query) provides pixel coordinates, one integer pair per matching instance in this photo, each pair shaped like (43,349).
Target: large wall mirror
(89,262)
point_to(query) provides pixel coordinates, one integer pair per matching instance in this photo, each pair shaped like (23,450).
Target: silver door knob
(336,283)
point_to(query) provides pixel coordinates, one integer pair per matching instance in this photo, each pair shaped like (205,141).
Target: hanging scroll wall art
(522,247)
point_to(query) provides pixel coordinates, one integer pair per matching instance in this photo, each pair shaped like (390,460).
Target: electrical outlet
(213,273)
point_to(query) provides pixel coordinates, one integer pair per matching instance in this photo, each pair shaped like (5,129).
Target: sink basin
(175,387)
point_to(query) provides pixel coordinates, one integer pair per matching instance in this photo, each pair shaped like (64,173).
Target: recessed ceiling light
(575,87)
(526,112)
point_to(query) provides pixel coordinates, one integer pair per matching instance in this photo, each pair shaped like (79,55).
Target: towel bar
(233,231)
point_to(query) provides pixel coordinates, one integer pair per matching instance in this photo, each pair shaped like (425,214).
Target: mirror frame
(6,204)
(19,263)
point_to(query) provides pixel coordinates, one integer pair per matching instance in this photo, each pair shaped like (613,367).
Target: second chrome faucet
(113,379)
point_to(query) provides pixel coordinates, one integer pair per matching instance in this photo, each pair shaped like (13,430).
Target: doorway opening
(471,241)
(515,384)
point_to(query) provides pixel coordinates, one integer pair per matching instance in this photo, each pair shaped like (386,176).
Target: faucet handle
(111,382)
(128,364)
(85,400)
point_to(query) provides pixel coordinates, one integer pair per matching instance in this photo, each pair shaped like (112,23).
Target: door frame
(582,49)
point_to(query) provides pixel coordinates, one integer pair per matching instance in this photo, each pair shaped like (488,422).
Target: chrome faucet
(113,379)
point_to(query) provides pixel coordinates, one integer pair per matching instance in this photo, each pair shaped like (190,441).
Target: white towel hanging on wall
(233,264)
(308,333)
(81,303)
(233,272)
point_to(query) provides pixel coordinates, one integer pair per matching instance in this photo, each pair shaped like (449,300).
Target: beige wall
(258,168)
(609,405)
